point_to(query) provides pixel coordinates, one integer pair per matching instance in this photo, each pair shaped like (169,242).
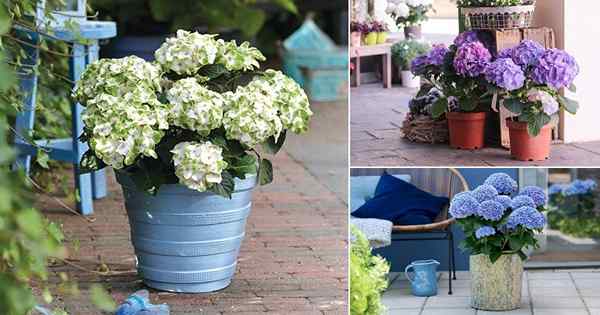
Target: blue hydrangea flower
(504,200)
(491,210)
(527,217)
(580,187)
(484,231)
(463,205)
(504,184)
(485,192)
(522,201)
(557,189)
(536,193)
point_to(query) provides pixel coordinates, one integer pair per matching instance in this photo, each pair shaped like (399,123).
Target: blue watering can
(424,280)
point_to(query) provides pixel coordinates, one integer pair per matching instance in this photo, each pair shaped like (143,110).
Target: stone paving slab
(293,259)
(376,139)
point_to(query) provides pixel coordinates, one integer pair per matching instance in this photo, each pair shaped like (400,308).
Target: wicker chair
(441,227)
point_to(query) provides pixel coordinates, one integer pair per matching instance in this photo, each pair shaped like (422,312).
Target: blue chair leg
(83,182)
(98,177)
(28,84)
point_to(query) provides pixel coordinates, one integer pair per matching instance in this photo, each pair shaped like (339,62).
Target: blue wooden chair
(91,185)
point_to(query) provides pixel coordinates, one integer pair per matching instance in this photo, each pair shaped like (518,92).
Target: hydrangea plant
(500,224)
(196,116)
(416,14)
(572,208)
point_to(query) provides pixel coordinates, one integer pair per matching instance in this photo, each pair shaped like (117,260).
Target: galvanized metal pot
(185,240)
(496,286)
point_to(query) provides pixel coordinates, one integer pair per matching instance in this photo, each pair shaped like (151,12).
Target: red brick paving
(293,260)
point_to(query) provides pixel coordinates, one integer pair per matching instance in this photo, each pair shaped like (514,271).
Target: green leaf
(513,105)
(494,256)
(225,187)
(424,90)
(101,298)
(522,255)
(265,172)
(213,71)
(287,4)
(439,107)
(573,88)
(161,10)
(90,162)
(536,122)
(241,166)
(271,146)
(30,221)
(42,158)
(570,105)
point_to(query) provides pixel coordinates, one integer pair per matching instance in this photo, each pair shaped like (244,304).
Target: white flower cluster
(549,104)
(194,107)
(123,117)
(398,10)
(186,53)
(416,3)
(198,165)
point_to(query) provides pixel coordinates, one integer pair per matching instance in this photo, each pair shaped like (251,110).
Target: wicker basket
(425,129)
(494,18)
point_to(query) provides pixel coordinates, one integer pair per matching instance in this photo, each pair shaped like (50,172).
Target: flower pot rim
(466,115)
(521,125)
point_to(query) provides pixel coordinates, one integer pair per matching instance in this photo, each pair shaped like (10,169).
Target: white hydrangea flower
(399,10)
(242,57)
(187,52)
(195,107)
(289,98)
(198,165)
(250,116)
(416,3)
(130,77)
(549,104)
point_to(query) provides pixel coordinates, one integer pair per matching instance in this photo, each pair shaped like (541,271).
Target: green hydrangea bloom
(195,107)
(236,58)
(250,116)
(198,165)
(289,98)
(187,52)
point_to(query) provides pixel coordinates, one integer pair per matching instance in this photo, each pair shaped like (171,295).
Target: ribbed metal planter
(184,240)
(496,286)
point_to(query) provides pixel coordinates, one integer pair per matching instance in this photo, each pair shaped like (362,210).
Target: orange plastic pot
(467,130)
(524,147)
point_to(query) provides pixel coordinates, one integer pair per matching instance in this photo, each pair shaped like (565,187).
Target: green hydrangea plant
(196,116)
(492,3)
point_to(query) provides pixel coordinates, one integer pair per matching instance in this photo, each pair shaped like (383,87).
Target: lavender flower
(484,231)
(527,217)
(504,200)
(471,59)
(506,53)
(503,183)
(522,201)
(465,38)
(536,193)
(437,54)
(555,68)
(463,205)
(419,63)
(527,53)
(485,192)
(505,73)
(491,210)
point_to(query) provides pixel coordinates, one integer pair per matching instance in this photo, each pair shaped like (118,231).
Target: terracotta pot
(355,39)
(381,37)
(371,39)
(467,130)
(524,147)
(412,32)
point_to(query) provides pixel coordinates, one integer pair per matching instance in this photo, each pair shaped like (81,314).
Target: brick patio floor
(376,117)
(558,292)
(293,260)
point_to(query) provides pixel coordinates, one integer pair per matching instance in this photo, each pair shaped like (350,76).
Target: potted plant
(528,79)
(496,14)
(417,14)
(498,230)
(357,29)
(572,208)
(182,135)
(381,29)
(458,73)
(370,33)
(403,53)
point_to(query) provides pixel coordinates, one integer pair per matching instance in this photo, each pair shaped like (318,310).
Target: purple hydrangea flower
(505,73)
(437,54)
(465,38)
(506,53)
(536,193)
(419,63)
(527,217)
(527,53)
(504,200)
(491,210)
(471,59)
(463,205)
(522,201)
(504,184)
(555,68)
(484,231)
(485,192)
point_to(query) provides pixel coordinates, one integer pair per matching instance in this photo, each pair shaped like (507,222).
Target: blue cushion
(401,202)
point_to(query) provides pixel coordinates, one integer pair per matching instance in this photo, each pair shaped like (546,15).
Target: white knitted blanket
(378,232)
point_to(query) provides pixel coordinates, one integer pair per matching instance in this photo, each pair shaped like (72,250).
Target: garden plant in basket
(500,223)
(412,18)
(182,134)
(496,14)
